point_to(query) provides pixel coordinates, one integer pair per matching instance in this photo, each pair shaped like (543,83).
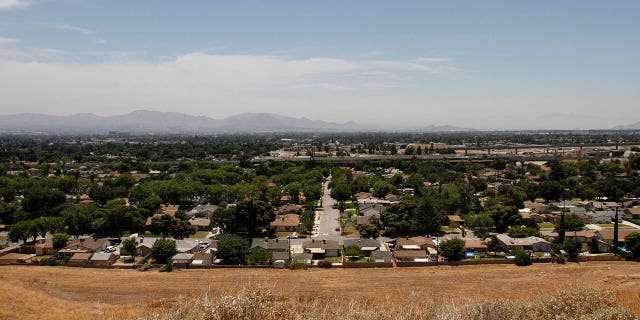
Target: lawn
(546,225)
(611,226)
(200,234)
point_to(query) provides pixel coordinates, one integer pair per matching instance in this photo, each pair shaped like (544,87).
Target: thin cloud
(102,82)
(4,40)
(13,4)
(75,28)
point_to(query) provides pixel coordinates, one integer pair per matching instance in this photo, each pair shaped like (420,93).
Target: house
(288,208)
(538,244)
(587,238)
(103,259)
(410,243)
(200,224)
(182,260)
(605,205)
(205,210)
(45,247)
(605,238)
(475,245)
(144,245)
(633,212)
(202,259)
(321,248)
(578,210)
(532,216)
(537,207)
(455,221)
(366,211)
(187,245)
(80,259)
(602,217)
(266,244)
(286,223)
(411,255)
(302,258)
(367,246)
(90,244)
(535,244)
(370,209)
(382,256)
(363,196)
(169,209)
(14,258)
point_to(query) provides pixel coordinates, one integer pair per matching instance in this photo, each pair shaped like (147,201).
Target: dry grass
(51,292)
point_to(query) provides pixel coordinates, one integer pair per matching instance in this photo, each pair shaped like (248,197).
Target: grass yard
(58,292)
(546,225)
(200,234)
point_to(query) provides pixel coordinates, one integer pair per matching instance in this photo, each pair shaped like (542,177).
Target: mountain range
(633,126)
(142,121)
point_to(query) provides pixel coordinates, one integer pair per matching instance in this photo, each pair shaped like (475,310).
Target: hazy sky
(478,64)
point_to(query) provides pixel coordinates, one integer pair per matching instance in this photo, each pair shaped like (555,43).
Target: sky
(472,64)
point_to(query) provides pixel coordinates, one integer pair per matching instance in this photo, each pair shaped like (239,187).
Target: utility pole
(615,233)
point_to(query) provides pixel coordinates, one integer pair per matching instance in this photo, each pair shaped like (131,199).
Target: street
(329,226)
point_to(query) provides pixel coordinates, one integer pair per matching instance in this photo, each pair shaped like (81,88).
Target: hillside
(50,292)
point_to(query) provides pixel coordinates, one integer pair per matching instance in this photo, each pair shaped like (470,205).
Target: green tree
(427,218)
(573,247)
(23,230)
(632,243)
(251,218)
(78,219)
(60,240)
(572,222)
(341,192)
(43,201)
(523,232)
(129,246)
(481,224)
(370,229)
(522,257)
(353,250)
(452,249)
(504,217)
(382,188)
(162,250)
(260,257)
(232,249)
(495,245)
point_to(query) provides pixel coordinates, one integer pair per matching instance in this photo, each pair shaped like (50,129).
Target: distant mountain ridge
(633,126)
(143,121)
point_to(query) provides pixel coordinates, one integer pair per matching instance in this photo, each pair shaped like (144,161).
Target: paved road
(329,216)
(629,223)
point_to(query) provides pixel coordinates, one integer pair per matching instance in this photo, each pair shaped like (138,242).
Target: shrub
(145,267)
(325,264)
(522,258)
(167,267)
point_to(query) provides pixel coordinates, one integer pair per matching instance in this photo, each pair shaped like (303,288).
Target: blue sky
(477,64)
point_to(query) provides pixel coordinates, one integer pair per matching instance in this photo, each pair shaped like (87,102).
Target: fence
(599,258)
